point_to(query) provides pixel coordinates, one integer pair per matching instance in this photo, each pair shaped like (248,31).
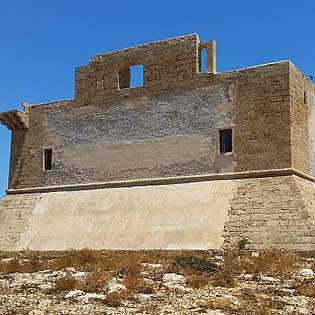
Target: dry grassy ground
(157,282)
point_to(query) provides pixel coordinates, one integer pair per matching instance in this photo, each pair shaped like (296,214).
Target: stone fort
(189,159)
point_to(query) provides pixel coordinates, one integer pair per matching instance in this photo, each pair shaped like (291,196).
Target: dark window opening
(131,77)
(124,78)
(203,60)
(305,98)
(226,141)
(47,159)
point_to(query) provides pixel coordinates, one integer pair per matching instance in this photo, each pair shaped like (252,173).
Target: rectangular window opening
(131,77)
(203,61)
(48,159)
(226,141)
(305,97)
(136,76)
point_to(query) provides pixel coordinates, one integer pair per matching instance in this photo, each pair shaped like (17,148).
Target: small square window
(48,152)
(131,77)
(226,141)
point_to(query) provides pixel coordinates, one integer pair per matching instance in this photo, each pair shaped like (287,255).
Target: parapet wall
(165,63)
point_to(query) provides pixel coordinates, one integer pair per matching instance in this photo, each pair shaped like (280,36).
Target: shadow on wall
(5,139)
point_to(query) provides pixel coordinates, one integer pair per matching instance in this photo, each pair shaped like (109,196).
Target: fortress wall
(262,118)
(160,136)
(302,100)
(273,212)
(269,212)
(16,213)
(165,135)
(146,137)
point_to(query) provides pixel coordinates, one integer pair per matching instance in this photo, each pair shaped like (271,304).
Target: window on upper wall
(203,60)
(226,141)
(47,159)
(131,77)
(136,76)
(305,97)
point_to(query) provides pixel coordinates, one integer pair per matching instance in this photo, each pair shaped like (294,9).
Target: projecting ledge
(16,119)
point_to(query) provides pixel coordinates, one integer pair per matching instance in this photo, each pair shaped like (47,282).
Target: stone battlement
(164,63)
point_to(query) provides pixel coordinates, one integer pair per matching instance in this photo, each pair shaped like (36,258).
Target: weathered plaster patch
(184,215)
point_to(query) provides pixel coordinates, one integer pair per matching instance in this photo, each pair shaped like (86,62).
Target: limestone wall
(302,100)
(269,212)
(170,217)
(173,133)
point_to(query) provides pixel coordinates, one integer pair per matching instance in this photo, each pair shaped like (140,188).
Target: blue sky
(43,41)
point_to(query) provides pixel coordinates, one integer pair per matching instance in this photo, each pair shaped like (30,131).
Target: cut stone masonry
(115,148)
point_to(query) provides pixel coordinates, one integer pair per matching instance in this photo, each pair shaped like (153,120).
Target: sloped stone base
(268,212)
(273,212)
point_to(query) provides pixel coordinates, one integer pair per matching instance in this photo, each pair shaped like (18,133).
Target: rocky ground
(90,282)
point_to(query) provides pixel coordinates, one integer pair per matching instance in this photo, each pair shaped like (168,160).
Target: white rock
(70,270)
(7,259)
(148,281)
(90,296)
(268,279)
(246,276)
(174,281)
(220,258)
(303,310)
(57,274)
(306,273)
(255,254)
(114,286)
(143,297)
(79,275)
(44,304)
(44,271)
(215,312)
(74,294)
(45,286)
(152,266)
(288,309)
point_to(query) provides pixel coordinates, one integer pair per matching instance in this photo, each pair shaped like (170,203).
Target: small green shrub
(242,243)
(195,263)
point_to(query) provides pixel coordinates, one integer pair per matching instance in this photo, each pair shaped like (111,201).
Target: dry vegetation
(201,269)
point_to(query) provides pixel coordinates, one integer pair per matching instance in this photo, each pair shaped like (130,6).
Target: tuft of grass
(135,285)
(33,263)
(67,283)
(229,270)
(306,288)
(83,259)
(95,281)
(115,299)
(276,262)
(197,280)
(220,303)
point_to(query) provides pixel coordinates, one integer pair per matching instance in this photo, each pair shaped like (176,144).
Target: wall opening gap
(48,152)
(305,97)
(203,60)
(136,76)
(226,145)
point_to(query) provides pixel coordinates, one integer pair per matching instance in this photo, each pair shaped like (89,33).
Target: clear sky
(43,41)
